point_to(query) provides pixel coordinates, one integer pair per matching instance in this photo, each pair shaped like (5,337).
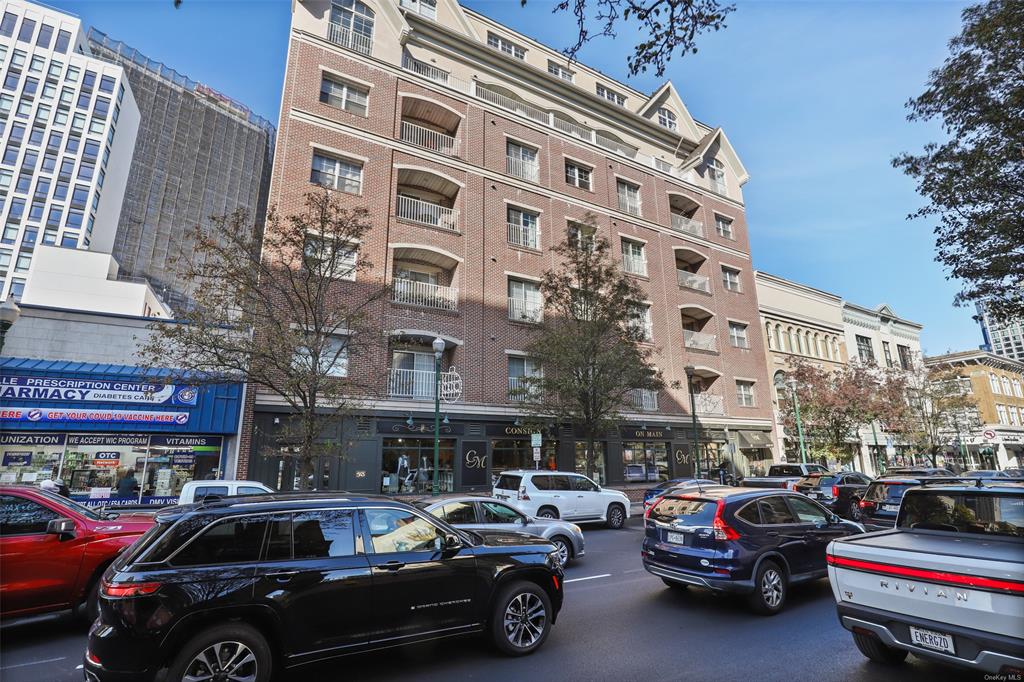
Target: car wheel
(547,513)
(616,516)
(674,585)
(232,651)
(92,602)
(770,588)
(564,548)
(521,619)
(853,513)
(873,648)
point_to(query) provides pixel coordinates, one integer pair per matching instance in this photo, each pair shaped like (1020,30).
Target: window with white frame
(1014,420)
(640,321)
(629,197)
(994,381)
(744,393)
(556,69)
(505,45)
(338,93)
(610,95)
(716,174)
(334,260)
(667,118)
(521,370)
(582,236)
(339,174)
(738,335)
(332,358)
(425,8)
(723,226)
(1005,381)
(1017,389)
(634,260)
(352,24)
(521,161)
(730,278)
(524,301)
(577,175)
(523,228)
(865,349)
(1001,412)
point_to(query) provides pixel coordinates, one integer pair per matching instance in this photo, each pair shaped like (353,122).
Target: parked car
(837,492)
(919,471)
(986,473)
(54,550)
(754,542)
(684,488)
(1014,472)
(240,588)
(488,513)
(562,495)
(946,584)
(880,503)
(782,476)
(674,483)
(195,491)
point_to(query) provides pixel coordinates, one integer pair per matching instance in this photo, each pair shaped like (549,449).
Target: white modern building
(68,124)
(1002,337)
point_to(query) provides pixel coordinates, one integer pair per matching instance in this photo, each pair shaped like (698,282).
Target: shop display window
(407,465)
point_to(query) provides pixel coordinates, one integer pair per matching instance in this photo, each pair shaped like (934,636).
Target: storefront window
(645,461)
(95,465)
(518,454)
(30,457)
(599,474)
(407,465)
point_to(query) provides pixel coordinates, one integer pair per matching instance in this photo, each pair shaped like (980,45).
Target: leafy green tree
(591,346)
(974,181)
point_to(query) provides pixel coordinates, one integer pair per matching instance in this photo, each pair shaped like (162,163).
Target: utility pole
(799,425)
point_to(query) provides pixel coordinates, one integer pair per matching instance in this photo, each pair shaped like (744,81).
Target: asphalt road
(618,623)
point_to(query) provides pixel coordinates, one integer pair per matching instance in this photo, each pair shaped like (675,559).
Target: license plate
(675,538)
(814,494)
(502,497)
(932,640)
(891,507)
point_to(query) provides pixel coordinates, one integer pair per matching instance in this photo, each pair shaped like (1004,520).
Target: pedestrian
(62,488)
(128,486)
(723,472)
(48,485)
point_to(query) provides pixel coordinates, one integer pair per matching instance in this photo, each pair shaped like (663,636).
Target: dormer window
(556,69)
(506,46)
(611,95)
(667,119)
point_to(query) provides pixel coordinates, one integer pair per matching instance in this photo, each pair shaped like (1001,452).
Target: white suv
(562,495)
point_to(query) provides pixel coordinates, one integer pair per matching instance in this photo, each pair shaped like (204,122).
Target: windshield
(785,470)
(886,492)
(817,480)
(88,513)
(686,512)
(508,482)
(978,513)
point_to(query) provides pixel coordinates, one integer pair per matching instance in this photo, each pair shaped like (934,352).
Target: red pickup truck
(53,550)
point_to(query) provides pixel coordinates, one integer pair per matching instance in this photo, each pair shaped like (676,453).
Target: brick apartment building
(474,149)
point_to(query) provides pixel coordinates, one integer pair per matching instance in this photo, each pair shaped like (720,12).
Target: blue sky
(811,95)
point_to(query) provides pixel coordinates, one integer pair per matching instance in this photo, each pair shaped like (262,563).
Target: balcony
(526,236)
(522,168)
(431,72)
(424,294)
(634,265)
(562,122)
(521,310)
(708,403)
(427,213)
(643,399)
(357,42)
(681,223)
(691,280)
(520,389)
(430,139)
(612,142)
(506,99)
(700,341)
(417,384)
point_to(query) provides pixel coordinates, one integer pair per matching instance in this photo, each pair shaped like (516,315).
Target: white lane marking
(589,577)
(79,666)
(23,665)
(635,570)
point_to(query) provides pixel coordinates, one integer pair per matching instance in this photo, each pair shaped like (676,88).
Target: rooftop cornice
(976,357)
(782,282)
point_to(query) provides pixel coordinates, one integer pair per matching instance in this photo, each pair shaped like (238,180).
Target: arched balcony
(688,264)
(682,211)
(427,198)
(430,125)
(411,372)
(695,319)
(425,277)
(705,401)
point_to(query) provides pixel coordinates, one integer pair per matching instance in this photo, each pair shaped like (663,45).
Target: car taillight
(647,511)
(864,504)
(91,657)
(125,590)
(835,491)
(522,494)
(723,531)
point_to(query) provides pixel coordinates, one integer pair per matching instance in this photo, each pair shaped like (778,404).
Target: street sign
(535,440)
(989,434)
(536,454)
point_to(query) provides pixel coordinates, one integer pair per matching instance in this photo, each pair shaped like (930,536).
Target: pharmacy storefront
(113,434)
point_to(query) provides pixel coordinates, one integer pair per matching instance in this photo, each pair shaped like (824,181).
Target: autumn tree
(287,314)
(940,406)
(974,180)
(591,347)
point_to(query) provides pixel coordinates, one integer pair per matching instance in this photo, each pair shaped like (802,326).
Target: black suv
(838,492)
(880,503)
(243,587)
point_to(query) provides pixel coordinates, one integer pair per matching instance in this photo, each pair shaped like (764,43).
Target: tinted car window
(774,511)
(785,470)
(251,490)
(508,482)
(964,512)
(225,542)
(319,534)
(498,513)
(749,514)
(456,512)
(806,511)
(560,483)
(689,512)
(542,482)
(393,530)
(21,516)
(886,492)
(279,538)
(204,490)
(582,484)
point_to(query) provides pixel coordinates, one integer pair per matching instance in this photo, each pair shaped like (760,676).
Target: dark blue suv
(751,541)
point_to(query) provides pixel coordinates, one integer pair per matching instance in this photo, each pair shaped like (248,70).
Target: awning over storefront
(755,439)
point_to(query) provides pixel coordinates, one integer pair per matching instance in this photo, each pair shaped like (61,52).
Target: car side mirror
(62,527)
(451,543)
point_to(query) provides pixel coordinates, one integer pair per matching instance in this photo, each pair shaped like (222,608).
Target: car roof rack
(979,482)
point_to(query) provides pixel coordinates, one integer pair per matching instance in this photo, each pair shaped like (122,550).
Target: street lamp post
(438,346)
(799,425)
(9,314)
(690,369)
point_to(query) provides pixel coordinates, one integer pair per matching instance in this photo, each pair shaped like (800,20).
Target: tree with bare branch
(941,407)
(287,314)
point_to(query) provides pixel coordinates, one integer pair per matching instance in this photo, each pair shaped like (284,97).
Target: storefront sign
(107,501)
(515,431)
(652,433)
(32,439)
(95,390)
(107,439)
(17,459)
(474,463)
(106,459)
(418,428)
(39,415)
(211,442)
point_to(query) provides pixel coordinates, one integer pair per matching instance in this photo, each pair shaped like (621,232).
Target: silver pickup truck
(947,583)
